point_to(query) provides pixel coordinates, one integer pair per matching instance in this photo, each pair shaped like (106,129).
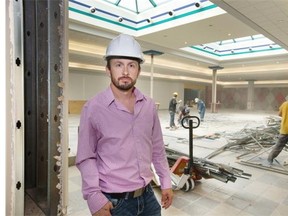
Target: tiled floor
(264,194)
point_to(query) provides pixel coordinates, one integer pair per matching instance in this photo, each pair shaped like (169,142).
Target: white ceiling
(243,18)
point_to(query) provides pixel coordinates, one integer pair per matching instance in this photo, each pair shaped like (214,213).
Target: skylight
(137,6)
(250,46)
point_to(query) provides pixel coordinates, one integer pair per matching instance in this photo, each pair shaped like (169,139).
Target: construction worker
(172,110)
(201,108)
(119,137)
(183,112)
(283,136)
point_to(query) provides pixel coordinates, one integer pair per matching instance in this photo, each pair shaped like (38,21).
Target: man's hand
(105,210)
(167,197)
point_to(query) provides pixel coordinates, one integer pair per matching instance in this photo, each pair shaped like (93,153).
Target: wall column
(45,62)
(152,53)
(214,87)
(250,96)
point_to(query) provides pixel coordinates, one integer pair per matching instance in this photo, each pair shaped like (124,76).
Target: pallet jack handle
(192,124)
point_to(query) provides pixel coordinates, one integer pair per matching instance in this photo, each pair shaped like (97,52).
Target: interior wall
(265,98)
(193,90)
(84,85)
(235,98)
(269,98)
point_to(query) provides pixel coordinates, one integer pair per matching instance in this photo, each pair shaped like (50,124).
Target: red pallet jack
(183,176)
(186,169)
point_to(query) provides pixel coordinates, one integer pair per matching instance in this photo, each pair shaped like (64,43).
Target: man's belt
(128,195)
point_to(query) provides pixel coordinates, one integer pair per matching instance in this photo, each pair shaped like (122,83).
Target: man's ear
(108,72)
(139,72)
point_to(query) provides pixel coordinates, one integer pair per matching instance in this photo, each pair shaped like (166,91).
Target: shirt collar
(110,96)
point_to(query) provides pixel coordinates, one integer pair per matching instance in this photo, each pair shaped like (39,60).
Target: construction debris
(207,169)
(255,142)
(249,140)
(209,136)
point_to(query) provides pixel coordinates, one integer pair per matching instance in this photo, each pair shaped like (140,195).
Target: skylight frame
(137,6)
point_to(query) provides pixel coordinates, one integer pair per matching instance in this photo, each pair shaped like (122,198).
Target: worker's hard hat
(286,98)
(175,93)
(196,100)
(124,46)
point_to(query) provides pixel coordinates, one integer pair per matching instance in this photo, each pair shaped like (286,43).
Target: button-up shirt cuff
(165,184)
(96,202)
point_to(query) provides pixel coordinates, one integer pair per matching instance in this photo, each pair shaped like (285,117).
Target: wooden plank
(75,106)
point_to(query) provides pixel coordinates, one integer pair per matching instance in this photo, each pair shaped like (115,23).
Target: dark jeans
(282,141)
(172,118)
(144,205)
(202,113)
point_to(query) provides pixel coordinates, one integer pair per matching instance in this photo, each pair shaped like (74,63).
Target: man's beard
(125,86)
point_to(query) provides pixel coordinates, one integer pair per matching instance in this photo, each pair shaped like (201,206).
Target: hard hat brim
(141,60)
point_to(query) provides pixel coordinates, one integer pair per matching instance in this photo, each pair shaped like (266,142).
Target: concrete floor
(265,193)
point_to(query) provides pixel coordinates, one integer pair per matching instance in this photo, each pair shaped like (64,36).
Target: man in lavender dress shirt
(119,137)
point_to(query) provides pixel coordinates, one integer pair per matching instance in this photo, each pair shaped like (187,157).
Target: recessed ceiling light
(120,19)
(171,13)
(149,20)
(197,4)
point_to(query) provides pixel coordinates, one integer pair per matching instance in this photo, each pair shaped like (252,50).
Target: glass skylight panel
(137,6)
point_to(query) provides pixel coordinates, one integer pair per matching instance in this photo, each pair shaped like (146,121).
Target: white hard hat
(126,46)
(196,100)
(175,93)
(286,98)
